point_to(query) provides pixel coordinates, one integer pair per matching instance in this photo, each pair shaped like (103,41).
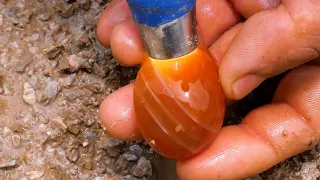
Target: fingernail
(268,4)
(245,85)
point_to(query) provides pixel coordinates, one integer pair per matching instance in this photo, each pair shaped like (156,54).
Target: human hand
(277,36)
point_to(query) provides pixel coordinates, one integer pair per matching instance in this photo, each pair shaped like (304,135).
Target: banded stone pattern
(179,104)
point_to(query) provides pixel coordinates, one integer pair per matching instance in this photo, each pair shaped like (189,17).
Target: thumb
(270,43)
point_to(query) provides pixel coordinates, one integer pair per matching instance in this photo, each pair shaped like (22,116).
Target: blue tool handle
(154,13)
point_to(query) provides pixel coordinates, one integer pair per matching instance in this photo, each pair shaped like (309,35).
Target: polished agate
(179,104)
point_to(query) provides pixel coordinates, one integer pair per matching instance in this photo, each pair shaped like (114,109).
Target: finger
(117,115)
(267,135)
(270,43)
(115,12)
(214,18)
(247,8)
(218,48)
(127,47)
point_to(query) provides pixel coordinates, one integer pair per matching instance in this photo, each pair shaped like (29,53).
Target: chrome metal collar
(171,40)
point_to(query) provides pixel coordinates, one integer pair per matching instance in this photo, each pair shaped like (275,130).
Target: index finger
(267,135)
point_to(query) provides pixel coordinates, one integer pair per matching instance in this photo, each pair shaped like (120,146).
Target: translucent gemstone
(179,104)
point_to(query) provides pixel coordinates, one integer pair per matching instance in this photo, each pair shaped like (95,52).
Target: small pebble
(90,122)
(54,26)
(142,168)
(33,81)
(6,90)
(67,81)
(6,131)
(114,142)
(58,122)
(137,150)
(29,95)
(130,156)
(83,41)
(52,89)
(73,155)
(85,4)
(108,161)
(33,50)
(44,17)
(75,129)
(7,164)
(14,44)
(121,164)
(32,175)
(17,23)
(85,143)
(21,65)
(30,72)
(84,176)
(75,62)
(16,141)
(52,51)
(35,36)
(65,11)
(85,161)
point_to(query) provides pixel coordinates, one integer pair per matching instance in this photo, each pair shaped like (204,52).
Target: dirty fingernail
(245,85)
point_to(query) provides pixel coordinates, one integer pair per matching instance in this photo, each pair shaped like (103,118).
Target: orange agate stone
(179,104)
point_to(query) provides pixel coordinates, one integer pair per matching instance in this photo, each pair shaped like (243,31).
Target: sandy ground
(54,75)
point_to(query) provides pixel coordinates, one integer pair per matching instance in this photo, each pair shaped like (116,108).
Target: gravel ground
(54,75)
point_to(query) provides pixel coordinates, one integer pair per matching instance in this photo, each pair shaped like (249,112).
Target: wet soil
(54,75)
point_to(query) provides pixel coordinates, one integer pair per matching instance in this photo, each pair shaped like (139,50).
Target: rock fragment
(7,164)
(58,122)
(85,4)
(75,129)
(142,168)
(44,17)
(29,95)
(16,141)
(138,151)
(21,65)
(65,10)
(73,63)
(114,142)
(52,90)
(121,164)
(53,51)
(67,81)
(73,155)
(130,156)
(33,175)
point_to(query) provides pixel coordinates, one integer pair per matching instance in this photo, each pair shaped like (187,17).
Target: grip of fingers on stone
(179,104)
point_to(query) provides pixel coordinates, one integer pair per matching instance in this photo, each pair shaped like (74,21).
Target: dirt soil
(54,75)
